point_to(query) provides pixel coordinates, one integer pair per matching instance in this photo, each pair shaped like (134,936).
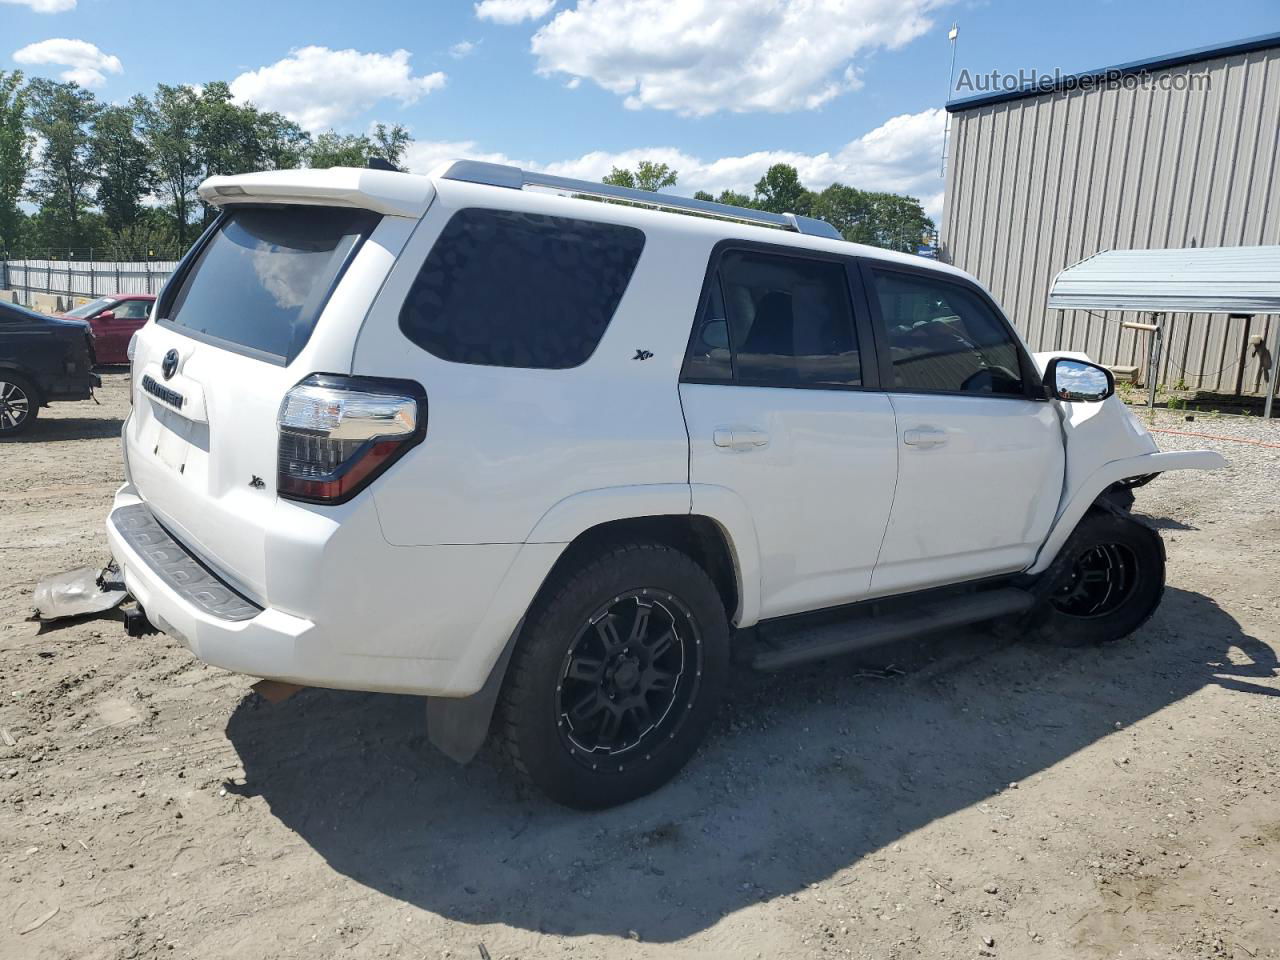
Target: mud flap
(458,726)
(78,593)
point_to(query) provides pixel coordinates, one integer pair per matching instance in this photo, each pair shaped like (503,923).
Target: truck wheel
(19,405)
(1108,583)
(616,676)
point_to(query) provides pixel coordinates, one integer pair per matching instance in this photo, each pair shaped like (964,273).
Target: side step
(805,644)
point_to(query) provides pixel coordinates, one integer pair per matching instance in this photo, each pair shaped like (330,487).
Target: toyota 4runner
(552,462)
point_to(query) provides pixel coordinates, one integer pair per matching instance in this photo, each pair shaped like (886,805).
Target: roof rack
(502,175)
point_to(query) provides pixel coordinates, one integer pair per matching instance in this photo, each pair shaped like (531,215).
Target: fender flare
(575,515)
(1070,513)
(580,512)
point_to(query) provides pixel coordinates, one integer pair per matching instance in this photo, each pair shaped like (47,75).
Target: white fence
(83,279)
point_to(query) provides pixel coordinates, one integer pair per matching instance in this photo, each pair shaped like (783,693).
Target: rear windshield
(262,279)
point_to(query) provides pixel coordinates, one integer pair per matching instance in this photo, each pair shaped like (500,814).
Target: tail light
(338,433)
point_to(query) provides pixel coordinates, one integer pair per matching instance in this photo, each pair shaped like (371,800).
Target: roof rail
(502,175)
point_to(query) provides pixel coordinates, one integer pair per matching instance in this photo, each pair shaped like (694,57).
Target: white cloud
(463,48)
(900,156)
(700,56)
(87,65)
(44,6)
(513,11)
(320,88)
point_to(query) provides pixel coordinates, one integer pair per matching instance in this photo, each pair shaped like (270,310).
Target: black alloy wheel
(1106,584)
(616,675)
(17,405)
(630,677)
(1103,576)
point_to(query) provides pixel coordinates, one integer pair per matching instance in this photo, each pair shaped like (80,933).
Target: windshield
(90,308)
(262,279)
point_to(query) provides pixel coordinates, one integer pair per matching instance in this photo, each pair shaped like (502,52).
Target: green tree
(781,191)
(735,199)
(120,160)
(848,209)
(15,156)
(390,143)
(236,138)
(332,149)
(898,222)
(169,126)
(647,175)
(62,117)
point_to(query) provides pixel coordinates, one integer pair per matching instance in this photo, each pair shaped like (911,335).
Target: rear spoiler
(392,194)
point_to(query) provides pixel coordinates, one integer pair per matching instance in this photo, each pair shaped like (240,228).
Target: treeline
(878,219)
(121,179)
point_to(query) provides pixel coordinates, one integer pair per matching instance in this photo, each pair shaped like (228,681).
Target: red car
(114,320)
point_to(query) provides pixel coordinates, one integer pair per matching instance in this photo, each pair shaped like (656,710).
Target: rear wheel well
(701,538)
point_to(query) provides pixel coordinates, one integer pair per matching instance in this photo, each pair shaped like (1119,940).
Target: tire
(616,676)
(19,404)
(1106,583)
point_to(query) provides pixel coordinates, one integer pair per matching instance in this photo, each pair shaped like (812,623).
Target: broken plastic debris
(78,593)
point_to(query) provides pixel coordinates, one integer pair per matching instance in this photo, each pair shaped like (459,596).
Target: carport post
(1274,379)
(1153,357)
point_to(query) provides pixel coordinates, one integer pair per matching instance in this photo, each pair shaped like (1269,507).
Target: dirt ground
(984,797)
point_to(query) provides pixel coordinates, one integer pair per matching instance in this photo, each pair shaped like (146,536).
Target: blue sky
(846,89)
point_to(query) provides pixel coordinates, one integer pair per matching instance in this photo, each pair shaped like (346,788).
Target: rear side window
(509,289)
(776,321)
(944,337)
(263,277)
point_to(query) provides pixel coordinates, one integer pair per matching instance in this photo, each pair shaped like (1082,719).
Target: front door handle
(739,438)
(924,437)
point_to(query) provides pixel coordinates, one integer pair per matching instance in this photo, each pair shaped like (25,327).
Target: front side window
(263,277)
(508,289)
(944,338)
(132,310)
(776,321)
(90,308)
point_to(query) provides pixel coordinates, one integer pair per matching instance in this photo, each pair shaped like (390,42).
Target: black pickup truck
(42,359)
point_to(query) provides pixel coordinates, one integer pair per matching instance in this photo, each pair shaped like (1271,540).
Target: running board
(806,644)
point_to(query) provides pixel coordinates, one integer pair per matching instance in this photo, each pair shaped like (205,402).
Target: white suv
(548,460)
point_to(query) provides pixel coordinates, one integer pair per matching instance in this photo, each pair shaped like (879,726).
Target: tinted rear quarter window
(513,289)
(265,274)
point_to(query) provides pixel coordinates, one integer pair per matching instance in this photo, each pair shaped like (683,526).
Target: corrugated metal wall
(1036,184)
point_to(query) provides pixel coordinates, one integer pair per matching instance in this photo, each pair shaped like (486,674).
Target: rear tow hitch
(136,623)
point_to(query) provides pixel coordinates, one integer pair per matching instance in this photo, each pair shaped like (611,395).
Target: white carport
(1234,280)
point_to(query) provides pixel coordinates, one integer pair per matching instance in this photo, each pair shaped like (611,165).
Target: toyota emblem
(170,364)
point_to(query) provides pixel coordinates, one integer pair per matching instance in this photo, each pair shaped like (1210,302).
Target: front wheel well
(701,538)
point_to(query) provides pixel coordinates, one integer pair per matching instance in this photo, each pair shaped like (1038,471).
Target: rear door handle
(924,437)
(739,438)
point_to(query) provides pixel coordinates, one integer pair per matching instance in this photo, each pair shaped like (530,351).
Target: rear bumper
(79,387)
(423,620)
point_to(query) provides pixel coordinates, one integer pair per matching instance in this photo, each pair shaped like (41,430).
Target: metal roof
(1189,280)
(1150,65)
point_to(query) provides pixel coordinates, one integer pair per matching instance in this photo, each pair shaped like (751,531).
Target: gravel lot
(983,798)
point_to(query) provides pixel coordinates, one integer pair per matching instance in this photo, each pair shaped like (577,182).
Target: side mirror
(106,315)
(1078,380)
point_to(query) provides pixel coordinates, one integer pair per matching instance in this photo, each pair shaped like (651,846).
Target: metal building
(1176,151)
